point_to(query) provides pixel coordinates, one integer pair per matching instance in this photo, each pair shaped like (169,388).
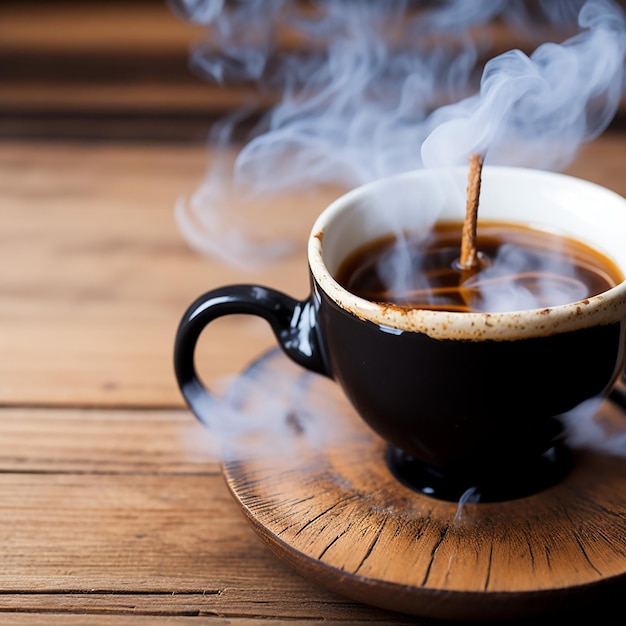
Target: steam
(537,110)
(373,88)
(364,89)
(277,410)
(286,418)
(605,433)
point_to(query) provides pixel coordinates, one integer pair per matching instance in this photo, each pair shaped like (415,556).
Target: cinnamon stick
(469,255)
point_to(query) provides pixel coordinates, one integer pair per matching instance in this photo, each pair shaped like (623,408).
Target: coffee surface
(522,268)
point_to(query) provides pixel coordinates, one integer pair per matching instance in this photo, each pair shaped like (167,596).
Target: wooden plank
(140,523)
(81,441)
(53,617)
(104,270)
(137,543)
(147,99)
(104,274)
(162,618)
(61,26)
(126,513)
(102,70)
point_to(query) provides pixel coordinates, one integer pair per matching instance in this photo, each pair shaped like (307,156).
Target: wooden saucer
(319,493)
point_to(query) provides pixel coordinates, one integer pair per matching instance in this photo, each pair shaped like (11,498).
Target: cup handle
(292,321)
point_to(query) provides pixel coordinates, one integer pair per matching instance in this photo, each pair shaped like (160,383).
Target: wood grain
(334,511)
(95,275)
(92,263)
(123,70)
(125,513)
(114,508)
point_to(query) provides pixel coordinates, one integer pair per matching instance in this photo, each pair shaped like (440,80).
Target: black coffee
(522,268)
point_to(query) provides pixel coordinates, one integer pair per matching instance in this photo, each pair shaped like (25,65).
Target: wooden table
(114,509)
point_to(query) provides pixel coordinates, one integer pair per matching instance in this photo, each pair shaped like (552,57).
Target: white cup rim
(608,307)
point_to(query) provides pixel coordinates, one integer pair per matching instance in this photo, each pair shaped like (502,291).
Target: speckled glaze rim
(604,308)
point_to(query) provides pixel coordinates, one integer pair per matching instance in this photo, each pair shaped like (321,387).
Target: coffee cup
(468,401)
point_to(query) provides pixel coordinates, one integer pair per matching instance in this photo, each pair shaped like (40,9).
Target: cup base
(534,476)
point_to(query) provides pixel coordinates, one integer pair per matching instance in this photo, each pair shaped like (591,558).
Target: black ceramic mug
(465,400)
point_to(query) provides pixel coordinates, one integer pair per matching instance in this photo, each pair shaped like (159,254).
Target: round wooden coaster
(318,491)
